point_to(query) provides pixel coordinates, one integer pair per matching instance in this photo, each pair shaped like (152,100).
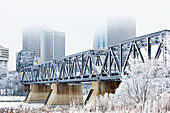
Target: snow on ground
(12,98)
(104,104)
(16,101)
(18,104)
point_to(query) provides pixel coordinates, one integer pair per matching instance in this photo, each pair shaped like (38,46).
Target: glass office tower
(119,29)
(47,44)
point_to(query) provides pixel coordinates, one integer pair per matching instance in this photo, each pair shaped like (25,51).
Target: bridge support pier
(65,94)
(38,93)
(100,88)
(76,94)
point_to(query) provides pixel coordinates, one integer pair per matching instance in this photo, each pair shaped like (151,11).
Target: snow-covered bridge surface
(100,65)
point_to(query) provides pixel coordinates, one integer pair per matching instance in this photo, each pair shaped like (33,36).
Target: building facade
(54,45)
(47,44)
(4,57)
(119,29)
(31,40)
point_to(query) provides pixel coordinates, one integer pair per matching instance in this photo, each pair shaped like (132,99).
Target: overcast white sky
(77,18)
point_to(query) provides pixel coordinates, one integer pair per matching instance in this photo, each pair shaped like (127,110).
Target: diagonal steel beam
(115,59)
(138,50)
(127,58)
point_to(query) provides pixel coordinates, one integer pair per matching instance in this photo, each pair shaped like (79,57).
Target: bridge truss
(100,65)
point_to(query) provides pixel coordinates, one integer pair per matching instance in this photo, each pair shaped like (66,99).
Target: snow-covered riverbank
(102,104)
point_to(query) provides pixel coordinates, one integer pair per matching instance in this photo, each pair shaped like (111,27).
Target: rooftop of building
(3,47)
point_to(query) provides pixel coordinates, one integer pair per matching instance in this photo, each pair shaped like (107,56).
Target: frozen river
(16,101)
(17,104)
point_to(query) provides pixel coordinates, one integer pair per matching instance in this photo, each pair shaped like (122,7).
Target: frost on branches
(145,89)
(146,81)
(3,69)
(12,82)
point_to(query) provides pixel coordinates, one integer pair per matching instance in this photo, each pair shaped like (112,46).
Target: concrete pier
(100,88)
(76,94)
(64,94)
(38,93)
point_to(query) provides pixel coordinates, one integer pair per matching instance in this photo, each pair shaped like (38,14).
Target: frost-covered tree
(146,81)
(3,69)
(11,81)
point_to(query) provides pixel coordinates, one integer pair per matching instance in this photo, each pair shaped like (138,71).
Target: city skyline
(77,19)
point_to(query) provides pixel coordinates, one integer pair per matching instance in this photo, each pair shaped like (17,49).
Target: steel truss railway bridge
(98,65)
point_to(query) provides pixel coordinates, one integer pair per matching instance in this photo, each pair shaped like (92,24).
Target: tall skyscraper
(4,57)
(32,37)
(119,29)
(47,44)
(54,45)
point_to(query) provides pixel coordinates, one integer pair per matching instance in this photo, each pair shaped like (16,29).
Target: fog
(77,18)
